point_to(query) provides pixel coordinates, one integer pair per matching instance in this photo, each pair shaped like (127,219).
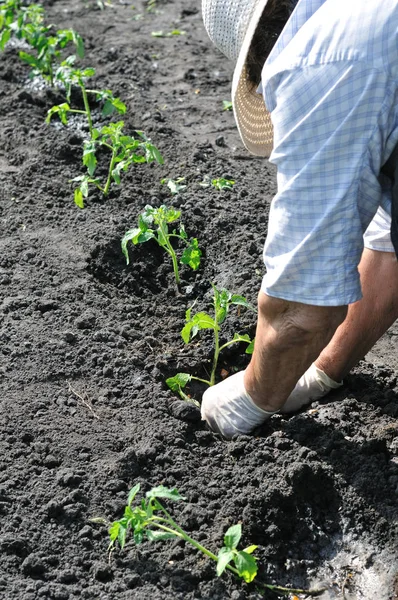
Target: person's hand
(313,385)
(229,410)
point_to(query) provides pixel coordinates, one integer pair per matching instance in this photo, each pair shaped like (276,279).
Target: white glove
(229,410)
(314,384)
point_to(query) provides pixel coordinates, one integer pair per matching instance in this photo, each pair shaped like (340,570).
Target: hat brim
(252,118)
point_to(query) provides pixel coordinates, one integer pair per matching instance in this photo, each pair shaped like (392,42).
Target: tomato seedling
(125,150)
(223,184)
(222,301)
(175,185)
(48,48)
(151,520)
(226,105)
(154,223)
(70,76)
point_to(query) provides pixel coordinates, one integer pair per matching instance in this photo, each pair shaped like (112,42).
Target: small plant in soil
(154,223)
(223,184)
(151,520)
(222,302)
(70,77)
(226,105)
(125,150)
(48,49)
(176,186)
(18,20)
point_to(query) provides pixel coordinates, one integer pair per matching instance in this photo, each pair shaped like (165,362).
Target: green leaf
(89,158)
(223,184)
(250,549)
(79,45)
(159,536)
(163,492)
(199,321)
(224,558)
(132,494)
(232,536)
(191,255)
(4,38)
(226,105)
(61,110)
(241,301)
(138,536)
(179,381)
(153,154)
(250,348)
(246,565)
(78,198)
(118,531)
(136,236)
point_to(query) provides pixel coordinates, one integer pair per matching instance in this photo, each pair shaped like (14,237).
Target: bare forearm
(289,338)
(368,319)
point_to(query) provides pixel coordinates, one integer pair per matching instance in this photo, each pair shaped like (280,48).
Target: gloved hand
(314,384)
(229,409)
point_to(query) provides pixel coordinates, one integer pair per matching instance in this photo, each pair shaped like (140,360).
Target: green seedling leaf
(78,198)
(191,255)
(172,33)
(225,556)
(89,158)
(250,549)
(241,301)
(177,383)
(112,104)
(250,348)
(175,185)
(136,236)
(226,105)
(232,536)
(132,494)
(246,565)
(117,532)
(163,492)
(223,184)
(61,110)
(199,321)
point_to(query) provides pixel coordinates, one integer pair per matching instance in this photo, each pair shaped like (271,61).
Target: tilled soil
(87,343)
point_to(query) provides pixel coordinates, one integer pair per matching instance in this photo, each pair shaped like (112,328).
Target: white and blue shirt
(331,85)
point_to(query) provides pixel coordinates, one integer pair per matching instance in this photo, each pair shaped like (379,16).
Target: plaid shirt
(331,85)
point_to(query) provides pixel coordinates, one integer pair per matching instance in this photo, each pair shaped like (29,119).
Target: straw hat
(231,25)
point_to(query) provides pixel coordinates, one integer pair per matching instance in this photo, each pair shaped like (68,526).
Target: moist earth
(87,343)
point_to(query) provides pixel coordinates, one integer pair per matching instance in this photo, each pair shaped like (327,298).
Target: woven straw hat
(231,25)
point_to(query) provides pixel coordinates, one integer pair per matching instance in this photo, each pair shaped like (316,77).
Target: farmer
(325,73)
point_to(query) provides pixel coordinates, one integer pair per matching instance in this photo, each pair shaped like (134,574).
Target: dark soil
(86,345)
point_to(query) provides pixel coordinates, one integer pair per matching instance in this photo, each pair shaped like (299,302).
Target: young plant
(151,520)
(19,21)
(48,48)
(222,302)
(175,185)
(70,77)
(125,151)
(223,184)
(227,105)
(154,223)
(10,13)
